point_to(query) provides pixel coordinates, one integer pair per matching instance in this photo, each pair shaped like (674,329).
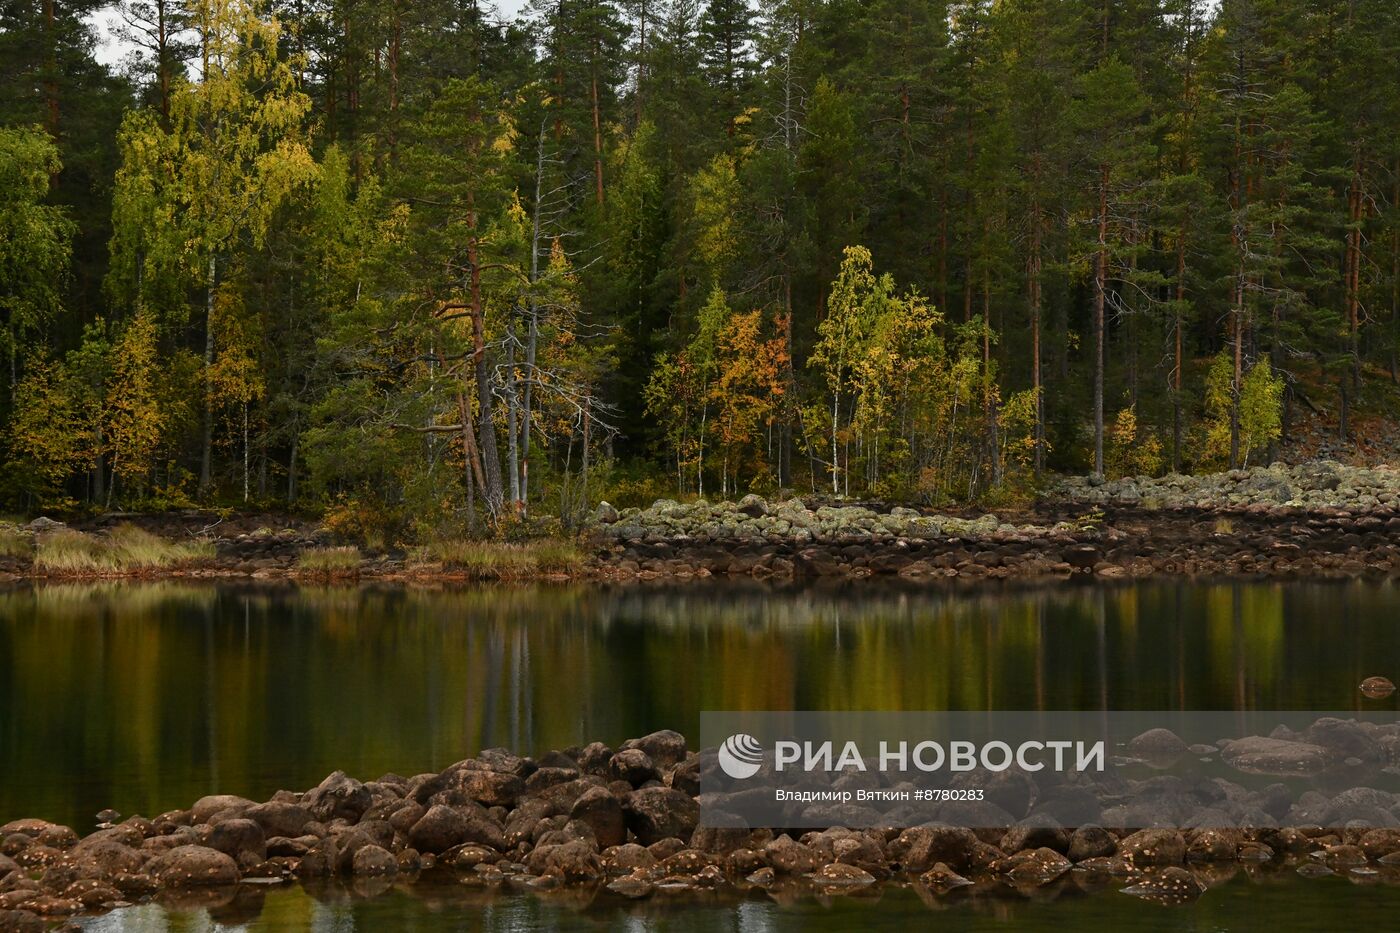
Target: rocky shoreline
(1316,520)
(1313,520)
(613,825)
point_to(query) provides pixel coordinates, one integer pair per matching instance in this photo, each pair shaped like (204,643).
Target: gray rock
(1260,755)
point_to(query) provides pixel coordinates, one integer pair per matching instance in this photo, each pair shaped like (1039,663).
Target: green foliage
(439,272)
(1260,406)
(35,237)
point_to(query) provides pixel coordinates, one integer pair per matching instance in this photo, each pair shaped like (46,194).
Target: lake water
(146,697)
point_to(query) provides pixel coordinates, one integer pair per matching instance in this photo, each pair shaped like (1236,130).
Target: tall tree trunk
(597,130)
(988,389)
(513,421)
(1178,348)
(1100,289)
(206,447)
(486,425)
(471,475)
(292,468)
(641,57)
(1033,295)
(395,41)
(51,68)
(1355,215)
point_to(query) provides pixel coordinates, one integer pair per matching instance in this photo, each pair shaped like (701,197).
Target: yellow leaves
(50,428)
(133,421)
(714,193)
(235,375)
(1132,449)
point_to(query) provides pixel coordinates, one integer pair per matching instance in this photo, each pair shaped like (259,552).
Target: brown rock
(279,818)
(188,866)
(841,875)
(1035,867)
(572,862)
(603,813)
(633,766)
(665,748)
(943,879)
(1091,841)
(655,813)
(339,796)
(205,807)
(789,857)
(374,860)
(921,847)
(20,921)
(491,788)
(1149,847)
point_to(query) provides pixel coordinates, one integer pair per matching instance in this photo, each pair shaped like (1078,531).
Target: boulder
(1157,745)
(373,860)
(278,818)
(1262,755)
(841,875)
(190,866)
(1171,885)
(633,766)
(575,861)
(438,830)
(921,847)
(786,856)
(491,788)
(242,839)
(1151,847)
(21,921)
(338,797)
(655,813)
(1034,867)
(206,807)
(602,812)
(943,879)
(1091,841)
(666,748)
(1036,832)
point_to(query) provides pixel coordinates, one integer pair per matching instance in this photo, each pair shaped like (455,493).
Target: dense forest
(422,264)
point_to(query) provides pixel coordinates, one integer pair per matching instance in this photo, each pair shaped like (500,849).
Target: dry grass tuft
(330,560)
(491,560)
(15,543)
(124,549)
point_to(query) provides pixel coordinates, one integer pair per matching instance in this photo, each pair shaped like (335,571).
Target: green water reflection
(1274,901)
(144,698)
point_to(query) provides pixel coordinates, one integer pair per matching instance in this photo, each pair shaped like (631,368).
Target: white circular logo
(740,756)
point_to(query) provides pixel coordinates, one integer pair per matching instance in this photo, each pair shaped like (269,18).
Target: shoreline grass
(15,543)
(330,560)
(492,560)
(125,549)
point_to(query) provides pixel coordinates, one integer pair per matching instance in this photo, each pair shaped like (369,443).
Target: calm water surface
(144,698)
